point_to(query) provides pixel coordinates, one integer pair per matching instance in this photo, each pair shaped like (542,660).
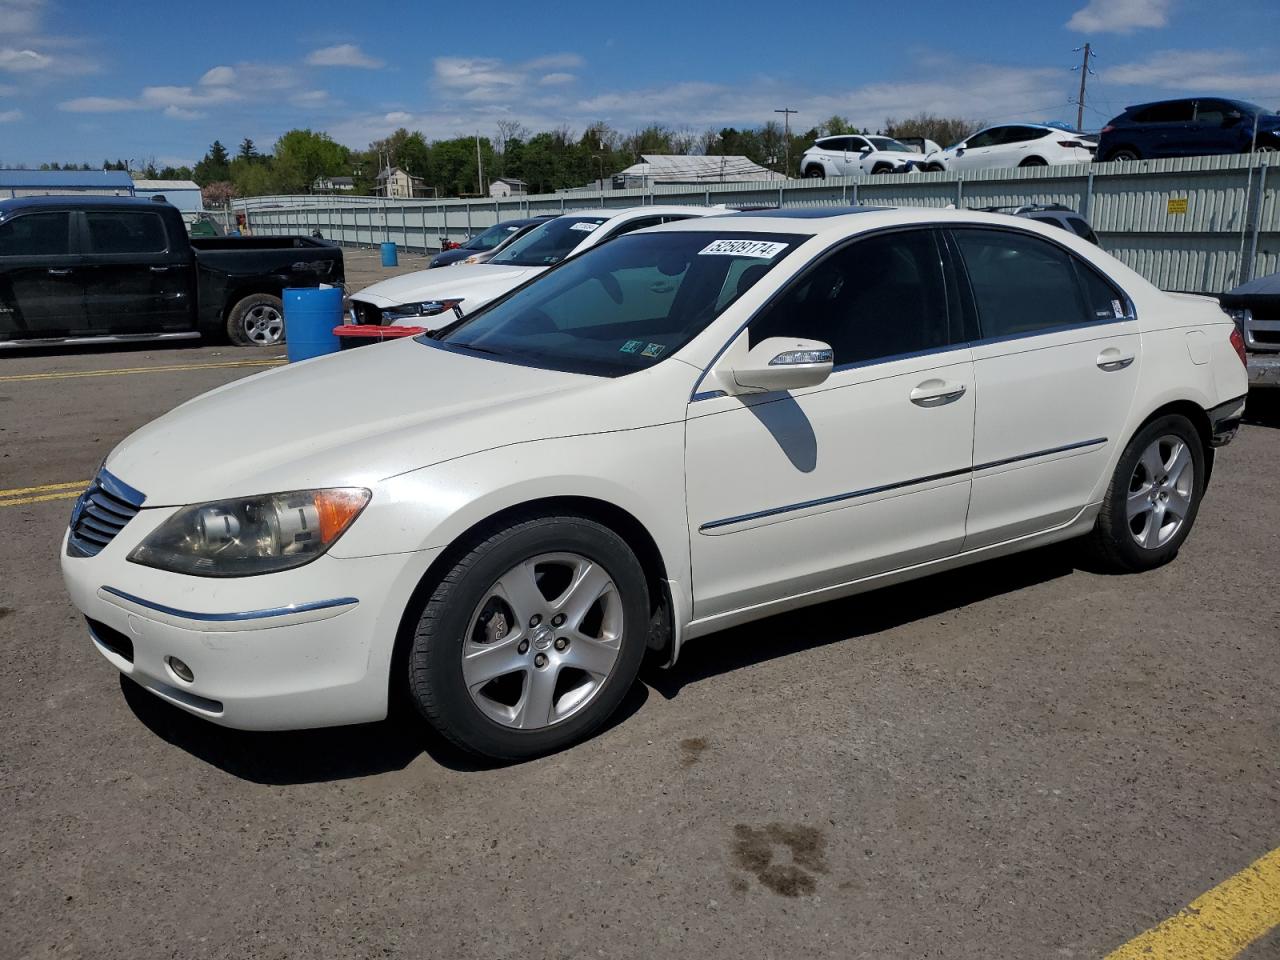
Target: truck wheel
(1153,497)
(256,321)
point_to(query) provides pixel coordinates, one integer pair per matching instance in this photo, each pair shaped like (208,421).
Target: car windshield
(491,237)
(888,143)
(548,244)
(623,306)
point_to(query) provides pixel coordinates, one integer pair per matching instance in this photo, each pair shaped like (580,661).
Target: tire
(1122,154)
(814,173)
(935,168)
(474,670)
(1134,531)
(256,321)
(881,168)
(1033,162)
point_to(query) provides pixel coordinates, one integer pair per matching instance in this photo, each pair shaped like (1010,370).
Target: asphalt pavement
(1023,759)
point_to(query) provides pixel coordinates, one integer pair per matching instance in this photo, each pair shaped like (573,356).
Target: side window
(1175,111)
(1105,302)
(987,138)
(1211,113)
(1020,134)
(125,232)
(1022,284)
(857,145)
(876,298)
(36,235)
(1082,229)
(637,224)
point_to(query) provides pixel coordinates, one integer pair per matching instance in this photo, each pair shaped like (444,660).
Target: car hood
(360,416)
(475,279)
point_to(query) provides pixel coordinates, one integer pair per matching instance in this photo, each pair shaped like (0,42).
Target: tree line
(301,160)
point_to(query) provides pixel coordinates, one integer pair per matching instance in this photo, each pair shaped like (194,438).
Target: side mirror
(783,363)
(865,150)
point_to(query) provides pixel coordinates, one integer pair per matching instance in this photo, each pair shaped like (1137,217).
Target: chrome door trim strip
(1040,453)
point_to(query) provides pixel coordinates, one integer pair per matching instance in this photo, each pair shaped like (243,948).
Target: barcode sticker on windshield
(583,225)
(759,249)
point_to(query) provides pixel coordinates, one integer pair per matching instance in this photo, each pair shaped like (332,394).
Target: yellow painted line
(66,495)
(75,484)
(1219,924)
(125,371)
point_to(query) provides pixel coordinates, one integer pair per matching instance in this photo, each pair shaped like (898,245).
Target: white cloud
(555,61)
(186,96)
(99,105)
(343,55)
(218,77)
(20,17)
(1223,71)
(1120,16)
(310,98)
(557,79)
(182,113)
(398,117)
(490,80)
(9,116)
(22,61)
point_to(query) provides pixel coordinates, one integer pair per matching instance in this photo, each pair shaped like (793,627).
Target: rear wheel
(1153,498)
(882,168)
(256,321)
(814,173)
(533,638)
(1120,154)
(1033,162)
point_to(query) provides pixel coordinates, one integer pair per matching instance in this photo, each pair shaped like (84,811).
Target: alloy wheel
(263,324)
(543,641)
(1161,492)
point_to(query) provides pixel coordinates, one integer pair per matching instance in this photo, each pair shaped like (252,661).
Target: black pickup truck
(93,269)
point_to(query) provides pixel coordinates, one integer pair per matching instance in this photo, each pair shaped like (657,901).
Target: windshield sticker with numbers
(631,346)
(586,226)
(758,249)
(652,350)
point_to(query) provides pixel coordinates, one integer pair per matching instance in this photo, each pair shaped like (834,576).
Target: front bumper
(275,652)
(1264,370)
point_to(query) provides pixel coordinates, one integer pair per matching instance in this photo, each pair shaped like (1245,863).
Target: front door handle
(936,393)
(159,269)
(59,271)
(1112,359)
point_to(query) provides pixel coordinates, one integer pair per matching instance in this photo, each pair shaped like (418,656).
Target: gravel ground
(1022,759)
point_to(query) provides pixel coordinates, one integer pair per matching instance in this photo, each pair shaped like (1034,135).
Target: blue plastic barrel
(310,314)
(389,258)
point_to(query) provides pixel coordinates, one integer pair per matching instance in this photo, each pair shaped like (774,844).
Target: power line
(1085,72)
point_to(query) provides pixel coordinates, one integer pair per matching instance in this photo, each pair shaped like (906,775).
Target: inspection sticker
(631,346)
(760,249)
(586,226)
(652,350)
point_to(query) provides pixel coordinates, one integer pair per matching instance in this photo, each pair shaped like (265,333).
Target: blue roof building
(36,183)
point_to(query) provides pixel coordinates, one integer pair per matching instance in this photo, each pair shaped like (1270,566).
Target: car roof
(651,210)
(74,202)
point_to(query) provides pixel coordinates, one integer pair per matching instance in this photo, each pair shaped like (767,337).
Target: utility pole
(479,168)
(786,136)
(1085,70)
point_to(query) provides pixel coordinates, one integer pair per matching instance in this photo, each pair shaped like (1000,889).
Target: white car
(1014,145)
(432,298)
(853,154)
(690,427)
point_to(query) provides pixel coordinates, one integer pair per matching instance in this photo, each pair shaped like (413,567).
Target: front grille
(101,513)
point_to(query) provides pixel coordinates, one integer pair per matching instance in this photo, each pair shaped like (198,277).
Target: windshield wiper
(472,346)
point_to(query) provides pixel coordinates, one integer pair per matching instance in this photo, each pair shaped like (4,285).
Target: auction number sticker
(758,249)
(585,226)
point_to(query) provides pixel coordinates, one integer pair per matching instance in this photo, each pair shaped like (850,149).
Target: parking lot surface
(1022,759)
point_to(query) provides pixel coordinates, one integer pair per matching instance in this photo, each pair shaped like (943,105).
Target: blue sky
(87,79)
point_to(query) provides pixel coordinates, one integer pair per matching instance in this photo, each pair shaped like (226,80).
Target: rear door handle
(937,393)
(59,271)
(1112,359)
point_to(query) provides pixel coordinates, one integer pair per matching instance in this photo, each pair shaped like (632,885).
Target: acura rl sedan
(689,427)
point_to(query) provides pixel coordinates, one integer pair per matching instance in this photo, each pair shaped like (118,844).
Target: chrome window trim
(237,616)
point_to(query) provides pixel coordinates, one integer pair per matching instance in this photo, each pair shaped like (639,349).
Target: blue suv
(1189,128)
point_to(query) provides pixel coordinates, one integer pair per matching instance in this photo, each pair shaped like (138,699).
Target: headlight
(427,308)
(251,535)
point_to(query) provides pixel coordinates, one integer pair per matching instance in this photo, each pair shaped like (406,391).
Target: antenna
(1085,72)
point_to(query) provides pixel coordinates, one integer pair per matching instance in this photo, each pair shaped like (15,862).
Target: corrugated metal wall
(1199,223)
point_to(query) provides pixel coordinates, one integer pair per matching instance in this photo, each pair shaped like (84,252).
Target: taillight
(1237,341)
(1108,128)
(1071,143)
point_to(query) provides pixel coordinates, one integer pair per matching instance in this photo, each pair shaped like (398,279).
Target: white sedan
(690,427)
(1014,145)
(431,298)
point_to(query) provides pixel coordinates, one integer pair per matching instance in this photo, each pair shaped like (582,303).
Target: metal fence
(1199,224)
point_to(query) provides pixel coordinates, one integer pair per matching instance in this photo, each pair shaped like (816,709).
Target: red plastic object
(361,334)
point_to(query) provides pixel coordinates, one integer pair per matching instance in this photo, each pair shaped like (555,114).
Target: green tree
(942,130)
(215,167)
(248,151)
(301,156)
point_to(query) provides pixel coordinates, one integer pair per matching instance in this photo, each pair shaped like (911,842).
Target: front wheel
(256,321)
(533,638)
(1153,497)
(814,173)
(1033,162)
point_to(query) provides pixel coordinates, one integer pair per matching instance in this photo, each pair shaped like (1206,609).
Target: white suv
(1014,145)
(850,155)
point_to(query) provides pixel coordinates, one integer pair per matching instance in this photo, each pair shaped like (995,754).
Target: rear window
(125,232)
(36,235)
(1178,111)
